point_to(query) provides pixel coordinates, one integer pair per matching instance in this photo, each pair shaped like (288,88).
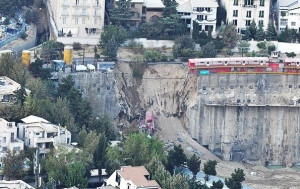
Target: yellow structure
(26,56)
(0,33)
(68,55)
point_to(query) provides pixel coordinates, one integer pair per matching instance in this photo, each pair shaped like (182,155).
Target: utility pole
(36,168)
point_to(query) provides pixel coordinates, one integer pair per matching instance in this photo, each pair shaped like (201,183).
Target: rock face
(252,118)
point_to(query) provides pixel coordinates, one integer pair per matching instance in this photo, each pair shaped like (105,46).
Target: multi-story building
(242,12)
(7,89)
(77,20)
(38,132)
(203,12)
(289,14)
(132,177)
(145,11)
(8,138)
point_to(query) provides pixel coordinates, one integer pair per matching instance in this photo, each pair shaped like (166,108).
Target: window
(248,22)
(234,22)
(76,20)
(96,12)
(283,22)
(248,14)
(262,3)
(293,23)
(248,2)
(97,3)
(65,2)
(261,14)
(65,11)
(261,23)
(83,20)
(84,11)
(236,2)
(4,149)
(64,20)
(4,139)
(95,21)
(77,3)
(17,149)
(207,9)
(200,17)
(84,2)
(235,13)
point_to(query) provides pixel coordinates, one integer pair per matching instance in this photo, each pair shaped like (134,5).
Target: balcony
(249,6)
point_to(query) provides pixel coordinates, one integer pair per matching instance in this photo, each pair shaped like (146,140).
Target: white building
(77,20)
(289,14)
(242,12)
(8,138)
(203,12)
(7,89)
(132,178)
(38,132)
(15,184)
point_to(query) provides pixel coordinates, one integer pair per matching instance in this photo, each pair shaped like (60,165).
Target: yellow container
(68,55)
(0,33)
(26,56)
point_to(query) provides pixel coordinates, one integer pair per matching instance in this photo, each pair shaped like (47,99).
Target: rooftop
(15,184)
(34,119)
(137,176)
(153,4)
(8,86)
(187,6)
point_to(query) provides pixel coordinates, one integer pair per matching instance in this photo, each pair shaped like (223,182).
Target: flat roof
(153,4)
(34,119)
(229,59)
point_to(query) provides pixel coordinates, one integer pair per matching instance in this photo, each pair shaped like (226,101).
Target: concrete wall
(266,128)
(93,40)
(155,43)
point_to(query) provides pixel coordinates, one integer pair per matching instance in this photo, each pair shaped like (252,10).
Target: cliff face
(252,118)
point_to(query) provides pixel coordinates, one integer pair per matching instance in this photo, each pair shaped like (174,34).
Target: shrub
(23,35)
(154,56)
(262,45)
(77,46)
(271,48)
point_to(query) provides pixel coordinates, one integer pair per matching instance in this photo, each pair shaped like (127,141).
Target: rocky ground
(166,89)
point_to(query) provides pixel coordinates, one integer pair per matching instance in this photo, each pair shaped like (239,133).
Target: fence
(16,35)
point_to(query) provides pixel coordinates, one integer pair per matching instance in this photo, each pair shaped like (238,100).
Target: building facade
(77,20)
(289,15)
(8,139)
(242,12)
(202,12)
(145,11)
(7,89)
(38,132)
(132,178)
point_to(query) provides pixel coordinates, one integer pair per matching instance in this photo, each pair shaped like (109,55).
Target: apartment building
(77,20)
(145,11)
(7,89)
(242,12)
(132,177)
(289,14)
(203,12)
(38,132)
(8,138)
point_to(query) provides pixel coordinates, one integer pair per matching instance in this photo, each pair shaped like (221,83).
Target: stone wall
(252,118)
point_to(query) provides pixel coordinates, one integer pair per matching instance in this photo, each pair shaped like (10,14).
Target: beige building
(132,178)
(77,20)
(145,11)
(242,12)
(7,89)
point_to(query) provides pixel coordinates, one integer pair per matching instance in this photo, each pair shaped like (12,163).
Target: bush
(77,46)
(29,17)
(271,48)
(290,55)
(154,56)
(23,35)
(262,45)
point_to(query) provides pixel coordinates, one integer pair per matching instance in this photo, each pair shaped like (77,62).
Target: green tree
(37,70)
(176,157)
(28,17)
(111,39)
(221,15)
(158,172)
(217,185)
(20,94)
(13,164)
(247,36)
(100,153)
(76,175)
(253,29)
(235,182)
(193,164)
(210,167)
(243,47)
(113,159)
(260,34)
(209,50)
(52,50)
(170,7)
(290,55)
(103,125)
(285,36)
(203,38)
(196,31)
(121,13)
(230,36)
(81,136)
(181,43)
(65,86)
(271,33)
